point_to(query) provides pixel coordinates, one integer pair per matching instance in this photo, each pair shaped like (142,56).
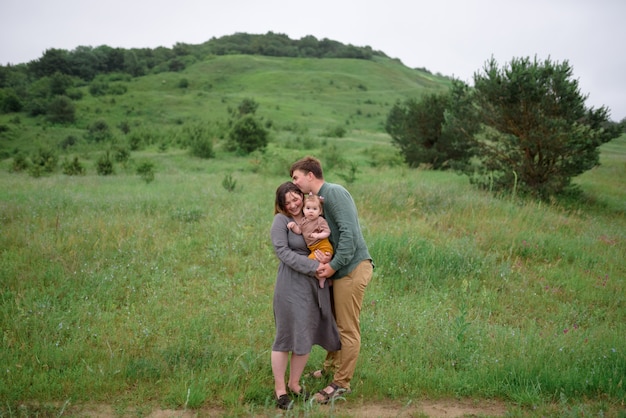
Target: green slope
(301,94)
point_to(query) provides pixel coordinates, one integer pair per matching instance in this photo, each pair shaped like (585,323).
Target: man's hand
(324,271)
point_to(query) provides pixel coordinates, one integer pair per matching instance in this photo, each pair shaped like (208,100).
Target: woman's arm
(280,240)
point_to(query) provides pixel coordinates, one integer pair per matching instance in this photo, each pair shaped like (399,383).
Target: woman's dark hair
(281,194)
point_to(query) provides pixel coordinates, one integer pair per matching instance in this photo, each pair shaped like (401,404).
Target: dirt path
(434,409)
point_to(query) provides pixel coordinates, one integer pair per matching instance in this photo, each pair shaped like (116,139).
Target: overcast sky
(451,37)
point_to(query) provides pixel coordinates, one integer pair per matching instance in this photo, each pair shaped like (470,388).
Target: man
(350,269)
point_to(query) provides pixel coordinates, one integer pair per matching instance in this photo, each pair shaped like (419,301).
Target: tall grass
(122,292)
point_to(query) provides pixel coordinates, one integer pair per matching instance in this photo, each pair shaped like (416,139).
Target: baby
(313,227)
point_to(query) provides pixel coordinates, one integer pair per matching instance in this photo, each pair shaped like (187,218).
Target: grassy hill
(142,296)
(295,95)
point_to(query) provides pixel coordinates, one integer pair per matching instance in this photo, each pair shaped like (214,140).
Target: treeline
(30,87)
(279,45)
(86,62)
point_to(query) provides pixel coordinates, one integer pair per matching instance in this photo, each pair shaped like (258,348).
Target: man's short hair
(308,165)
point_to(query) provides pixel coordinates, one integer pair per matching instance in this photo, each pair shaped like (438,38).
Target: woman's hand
(323,257)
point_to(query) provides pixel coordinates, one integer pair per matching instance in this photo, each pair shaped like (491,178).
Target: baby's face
(311,210)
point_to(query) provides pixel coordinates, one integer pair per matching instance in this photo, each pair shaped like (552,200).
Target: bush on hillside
(61,110)
(98,88)
(247,135)
(245,107)
(73,168)
(36,107)
(229,183)
(20,163)
(338,131)
(44,161)
(68,142)
(99,131)
(10,101)
(199,139)
(122,155)
(104,165)
(145,170)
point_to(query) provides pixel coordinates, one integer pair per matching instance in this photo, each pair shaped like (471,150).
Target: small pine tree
(146,171)
(104,165)
(199,138)
(61,110)
(20,163)
(44,161)
(99,131)
(229,183)
(73,168)
(248,135)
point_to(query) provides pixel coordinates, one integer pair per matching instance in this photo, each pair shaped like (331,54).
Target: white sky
(451,37)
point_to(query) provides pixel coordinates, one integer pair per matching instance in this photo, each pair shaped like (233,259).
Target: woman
(302,310)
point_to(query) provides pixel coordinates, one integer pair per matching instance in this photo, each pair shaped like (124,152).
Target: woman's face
(293,203)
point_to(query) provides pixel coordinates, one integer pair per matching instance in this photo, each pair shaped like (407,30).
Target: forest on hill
(50,87)
(86,62)
(82,96)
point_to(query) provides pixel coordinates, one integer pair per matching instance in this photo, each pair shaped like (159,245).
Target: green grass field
(159,295)
(117,291)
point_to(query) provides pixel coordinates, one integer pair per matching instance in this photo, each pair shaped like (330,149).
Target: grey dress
(302,310)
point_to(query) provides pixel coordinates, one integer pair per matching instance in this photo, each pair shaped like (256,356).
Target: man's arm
(341,211)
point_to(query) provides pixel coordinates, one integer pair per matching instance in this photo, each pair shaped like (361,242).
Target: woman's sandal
(325,397)
(284,402)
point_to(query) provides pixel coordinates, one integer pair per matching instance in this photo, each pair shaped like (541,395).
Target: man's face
(300,179)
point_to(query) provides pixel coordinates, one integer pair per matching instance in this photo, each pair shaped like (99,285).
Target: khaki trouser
(347,299)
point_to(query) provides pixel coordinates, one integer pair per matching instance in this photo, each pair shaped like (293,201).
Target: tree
(245,107)
(52,61)
(145,170)
(99,131)
(84,63)
(110,59)
(416,128)
(43,161)
(248,135)
(200,140)
(60,83)
(61,110)
(535,133)
(73,168)
(132,65)
(10,101)
(104,165)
